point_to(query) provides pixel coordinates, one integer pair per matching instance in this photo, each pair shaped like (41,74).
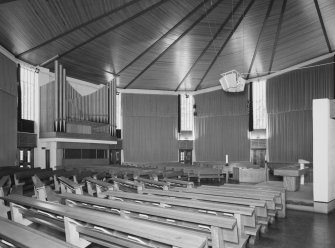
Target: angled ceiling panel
(267,41)
(117,49)
(174,65)
(301,37)
(140,39)
(327,8)
(238,52)
(25,24)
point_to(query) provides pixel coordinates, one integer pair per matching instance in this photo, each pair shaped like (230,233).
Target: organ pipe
(61,97)
(64,100)
(56,95)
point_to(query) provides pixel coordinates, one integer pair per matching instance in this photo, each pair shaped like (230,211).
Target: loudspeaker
(232,81)
(118,133)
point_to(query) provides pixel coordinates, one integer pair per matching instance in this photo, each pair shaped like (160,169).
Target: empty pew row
(84,226)
(14,234)
(260,188)
(44,192)
(221,231)
(245,216)
(152,183)
(273,200)
(67,185)
(260,206)
(95,186)
(125,185)
(178,183)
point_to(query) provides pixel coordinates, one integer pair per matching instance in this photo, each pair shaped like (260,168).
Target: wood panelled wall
(289,105)
(221,126)
(8,111)
(150,128)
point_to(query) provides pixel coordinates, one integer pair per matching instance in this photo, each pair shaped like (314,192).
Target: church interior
(167,123)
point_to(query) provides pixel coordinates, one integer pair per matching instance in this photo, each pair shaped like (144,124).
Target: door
(185,156)
(47,159)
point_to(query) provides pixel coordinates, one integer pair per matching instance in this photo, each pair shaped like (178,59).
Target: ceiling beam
(277,35)
(225,43)
(7,1)
(161,38)
(259,37)
(77,27)
(210,43)
(113,28)
(179,38)
(322,25)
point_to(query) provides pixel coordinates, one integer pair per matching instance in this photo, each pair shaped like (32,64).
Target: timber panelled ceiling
(167,44)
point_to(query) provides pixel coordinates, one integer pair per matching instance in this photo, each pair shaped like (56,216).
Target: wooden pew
(126,183)
(22,236)
(260,188)
(203,224)
(67,185)
(179,183)
(63,173)
(153,183)
(5,183)
(273,201)
(245,216)
(44,192)
(84,226)
(24,178)
(260,205)
(97,186)
(203,173)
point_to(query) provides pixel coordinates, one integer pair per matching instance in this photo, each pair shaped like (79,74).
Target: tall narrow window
(259,105)
(186,112)
(28,92)
(118,111)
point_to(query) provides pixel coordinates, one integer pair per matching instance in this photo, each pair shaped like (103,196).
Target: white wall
(323,152)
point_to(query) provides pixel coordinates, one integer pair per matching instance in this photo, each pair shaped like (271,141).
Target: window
(28,81)
(118,111)
(186,112)
(85,154)
(259,104)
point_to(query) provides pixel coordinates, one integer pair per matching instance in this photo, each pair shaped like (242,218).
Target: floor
(300,229)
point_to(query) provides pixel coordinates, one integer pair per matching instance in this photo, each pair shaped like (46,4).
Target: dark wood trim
(112,28)
(225,43)
(322,25)
(100,137)
(7,1)
(259,38)
(77,27)
(161,38)
(179,38)
(209,43)
(277,35)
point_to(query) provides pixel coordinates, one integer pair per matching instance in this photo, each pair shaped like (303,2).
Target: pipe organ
(74,112)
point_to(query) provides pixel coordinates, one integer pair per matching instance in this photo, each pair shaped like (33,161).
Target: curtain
(289,105)
(150,124)
(221,126)
(8,112)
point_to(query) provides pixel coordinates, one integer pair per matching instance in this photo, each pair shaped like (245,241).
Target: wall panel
(8,112)
(150,128)
(221,126)
(289,105)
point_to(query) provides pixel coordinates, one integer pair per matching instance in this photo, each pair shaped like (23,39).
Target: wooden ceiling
(167,44)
